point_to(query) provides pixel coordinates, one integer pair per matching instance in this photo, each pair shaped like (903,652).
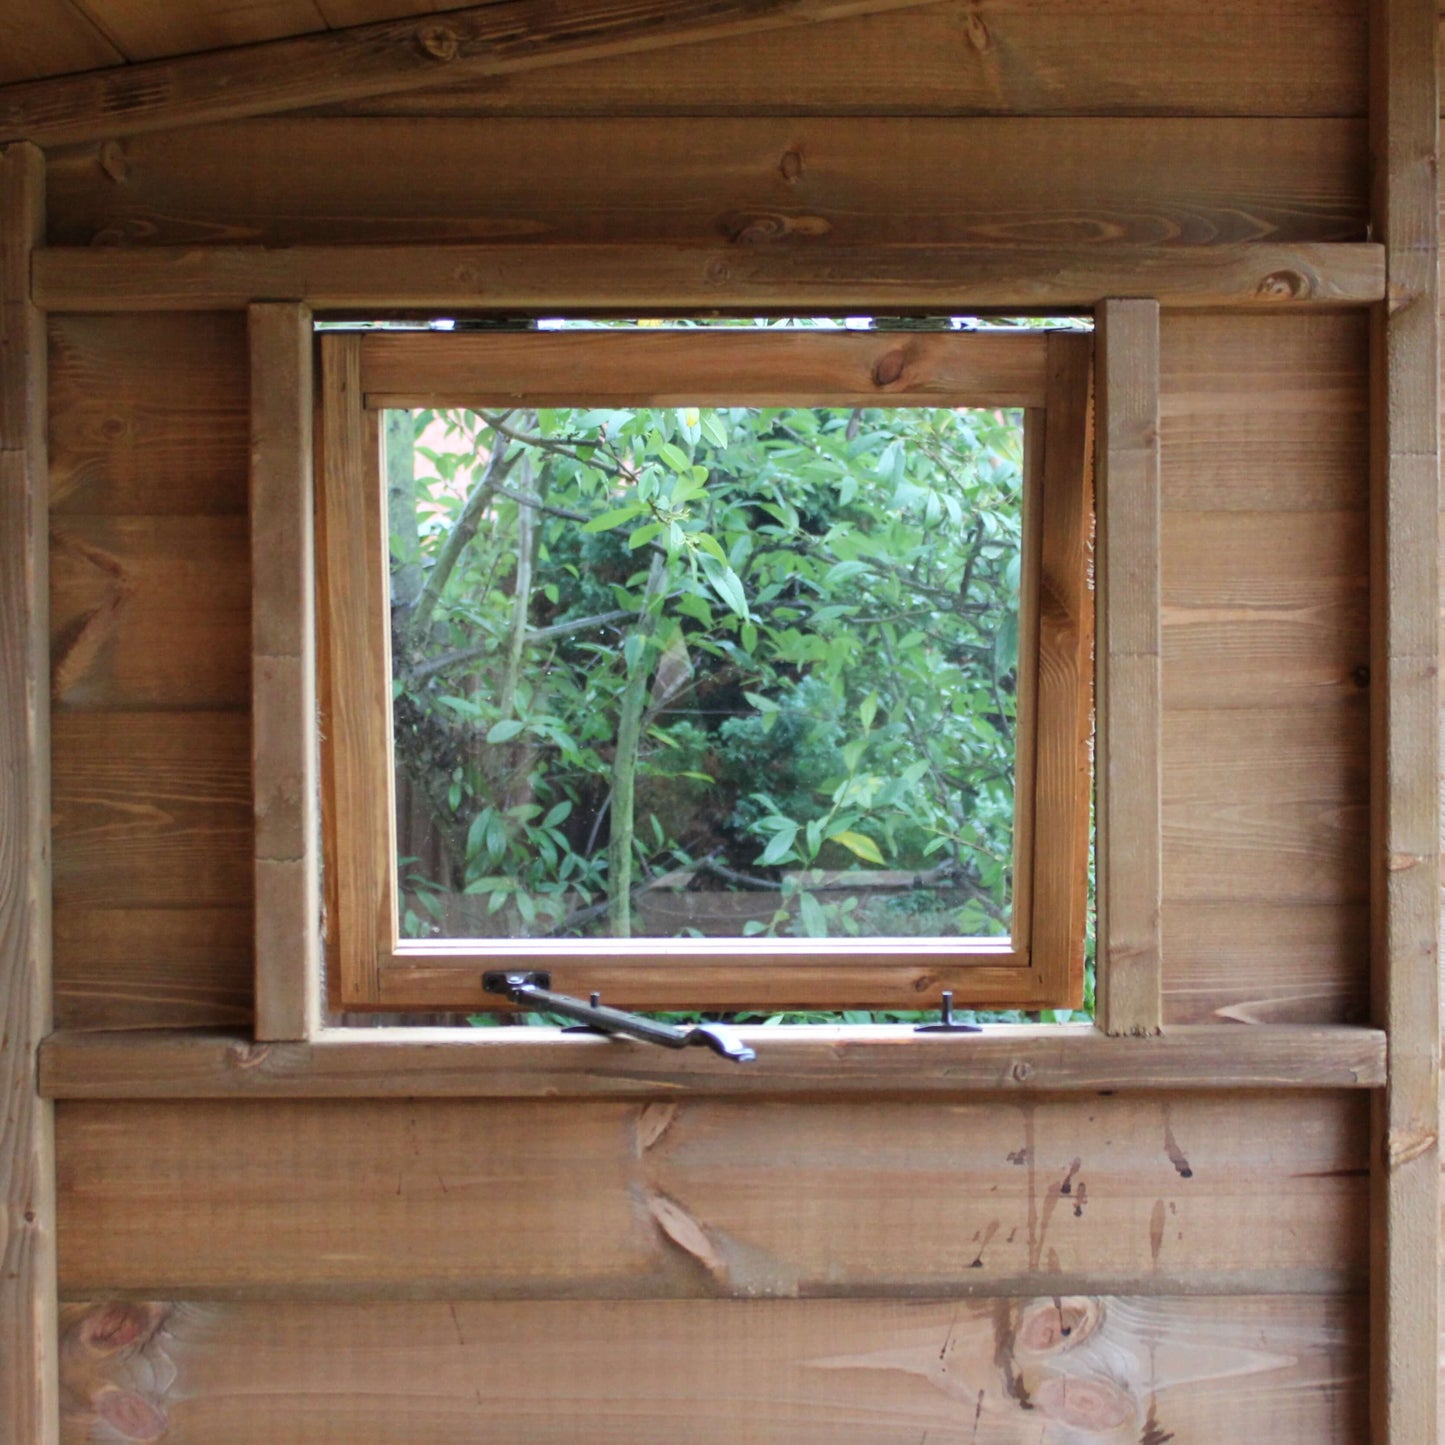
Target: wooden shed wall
(1153,1267)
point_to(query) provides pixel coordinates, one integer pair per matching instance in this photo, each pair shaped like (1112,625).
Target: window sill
(543,1063)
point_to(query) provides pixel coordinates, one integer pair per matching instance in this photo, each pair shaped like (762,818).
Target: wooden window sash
(369,966)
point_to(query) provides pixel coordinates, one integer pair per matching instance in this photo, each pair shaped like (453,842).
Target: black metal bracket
(534,990)
(946,1023)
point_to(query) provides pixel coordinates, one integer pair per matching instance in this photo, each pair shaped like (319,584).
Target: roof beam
(443,48)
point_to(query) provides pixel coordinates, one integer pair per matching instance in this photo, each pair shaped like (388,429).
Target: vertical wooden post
(283,672)
(1404,650)
(28,1395)
(1129,861)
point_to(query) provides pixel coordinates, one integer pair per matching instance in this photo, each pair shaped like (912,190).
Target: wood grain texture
(522,1199)
(465,45)
(800,1059)
(1011,57)
(284,730)
(152,810)
(655,278)
(28,1392)
(1129,854)
(752,181)
(148,415)
(667,367)
(819,1372)
(148,29)
(149,612)
(50,37)
(1404,838)
(153,968)
(1264,472)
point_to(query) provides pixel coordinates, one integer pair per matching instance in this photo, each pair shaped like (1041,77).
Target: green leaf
(504,731)
(642,535)
(810,913)
(727,584)
(860,844)
(615,518)
(674,456)
(713,428)
(557,814)
(780,845)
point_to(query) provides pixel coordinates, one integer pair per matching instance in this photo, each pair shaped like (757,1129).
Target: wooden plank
(1016,57)
(1267,805)
(28,1391)
(520,1063)
(149,29)
(153,968)
(1061,779)
(283,675)
(463,45)
(1264,609)
(688,279)
(152,810)
(751,181)
(1264,963)
(50,37)
(356,693)
(148,415)
(776,1372)
(1129,854)
(1264,413)
(678,368)
(521,1199)
(149,612)
(1404,853)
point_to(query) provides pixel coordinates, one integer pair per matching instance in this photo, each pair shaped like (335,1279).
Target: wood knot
(131,1416)
(114,161)
(717,272)
(889,368)
(1404,1145)
(1022,1072)
(755,228)
(1048,1327)
(1091,1404)
(1283,286)
(977,32)
(440,42)
(249,1056)
(114,1326)
(790,167)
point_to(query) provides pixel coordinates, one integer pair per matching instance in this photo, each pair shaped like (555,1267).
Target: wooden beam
(450,47)
(28,1391)
(1130,711)
(1405,711)
(815,1059)
(283,675)
(658,278)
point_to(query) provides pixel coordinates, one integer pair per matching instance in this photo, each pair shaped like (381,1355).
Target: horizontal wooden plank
(51,37)
(152,810)
(149,612)
(751,181)
(1266,963)
(680,367)
(1264,413)
(684,278)
(146,29)
(521,1198)
(519,1063)
(484,40)
(149,968)
(1264,609)
(1019,57)
(148,414)
(1267,805)
(774,1372)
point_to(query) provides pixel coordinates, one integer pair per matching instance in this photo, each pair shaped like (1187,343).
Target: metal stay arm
(533,990)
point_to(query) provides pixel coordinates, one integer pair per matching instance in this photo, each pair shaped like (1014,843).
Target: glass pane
(713,672)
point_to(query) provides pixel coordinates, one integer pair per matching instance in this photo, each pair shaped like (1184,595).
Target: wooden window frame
(1047,374)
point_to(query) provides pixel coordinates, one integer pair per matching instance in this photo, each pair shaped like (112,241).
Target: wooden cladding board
(1265,596)
(1007,57)
(503,1198)
(750,181)
(150,670)
(1054,1370)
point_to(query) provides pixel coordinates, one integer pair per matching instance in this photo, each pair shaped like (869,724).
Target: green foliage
(767,650)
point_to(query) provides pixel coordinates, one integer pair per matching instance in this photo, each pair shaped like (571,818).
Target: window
(824,888)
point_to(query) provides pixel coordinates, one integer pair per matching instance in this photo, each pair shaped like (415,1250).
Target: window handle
(534,991)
